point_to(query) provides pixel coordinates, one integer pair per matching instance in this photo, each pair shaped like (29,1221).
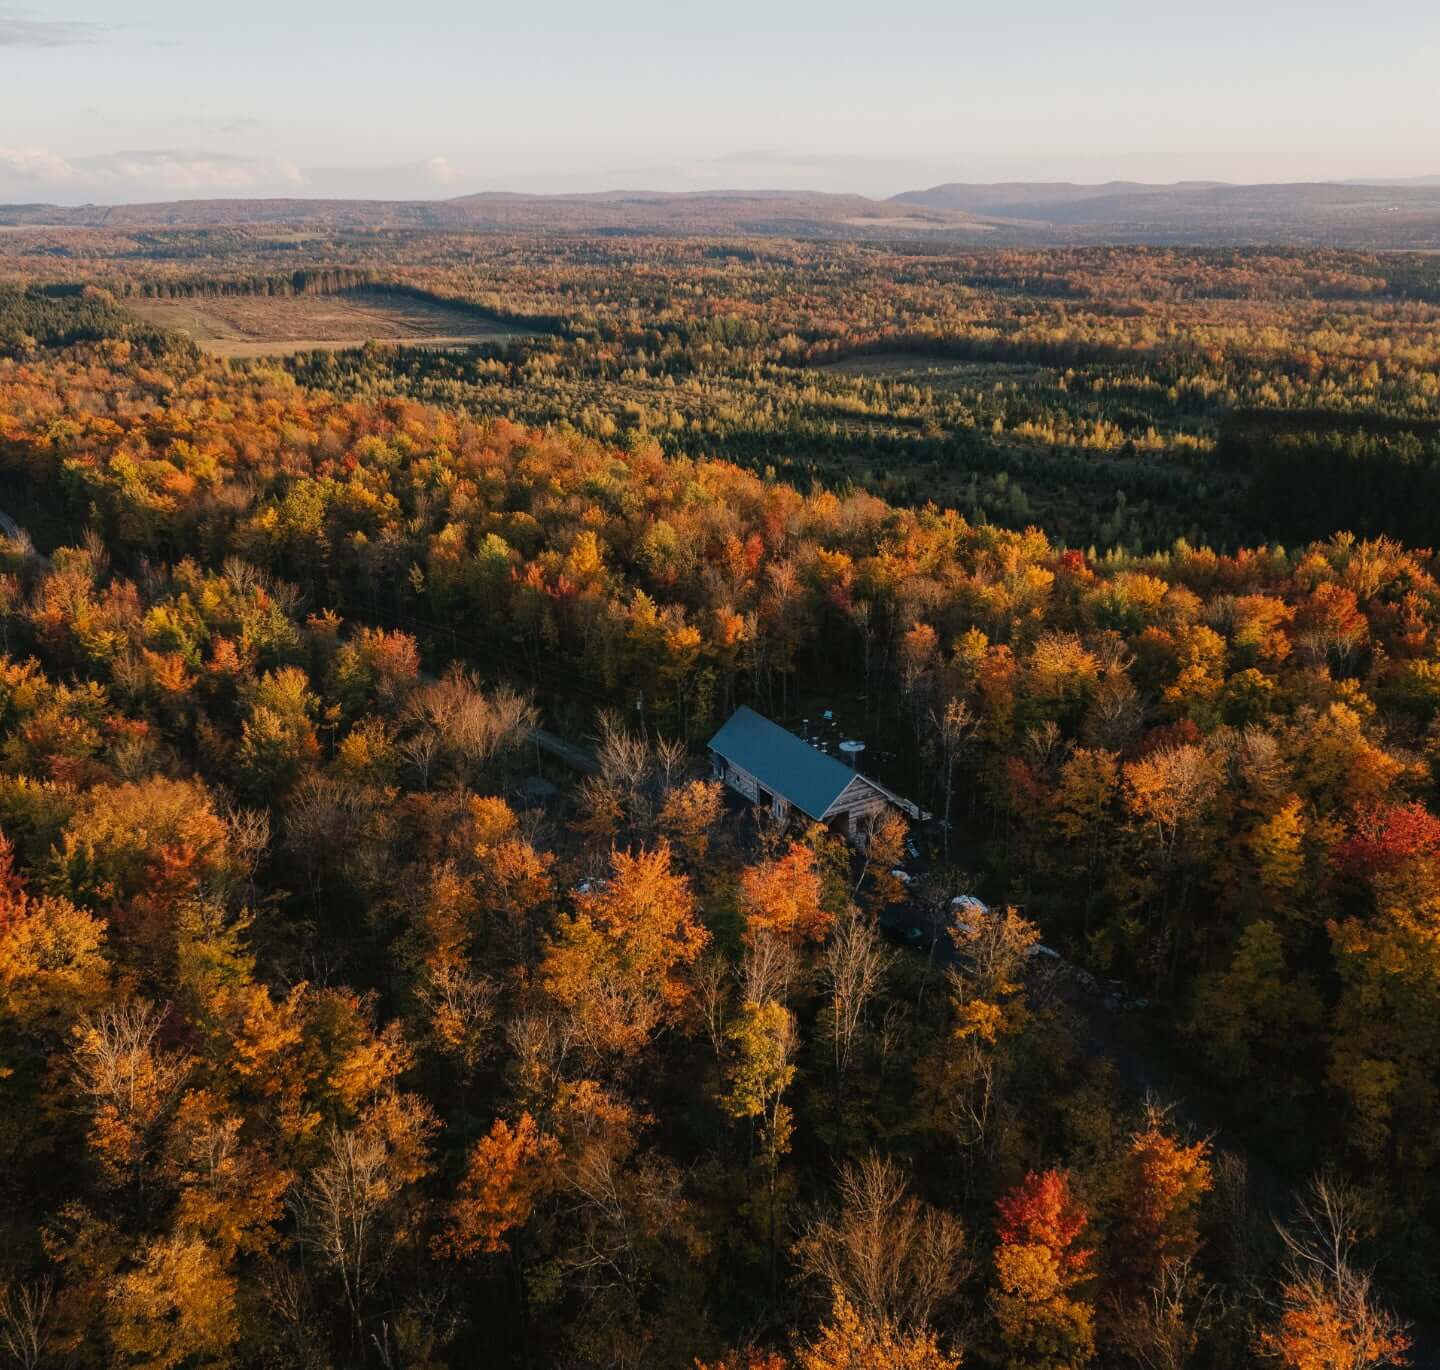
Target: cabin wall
(857,802)
(743,782)
(739,780)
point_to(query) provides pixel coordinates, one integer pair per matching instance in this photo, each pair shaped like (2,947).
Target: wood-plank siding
(742,782)
(856,802)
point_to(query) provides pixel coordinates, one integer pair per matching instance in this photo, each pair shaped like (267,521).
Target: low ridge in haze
(1354,214)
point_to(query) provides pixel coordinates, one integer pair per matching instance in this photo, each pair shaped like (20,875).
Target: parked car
(967,912)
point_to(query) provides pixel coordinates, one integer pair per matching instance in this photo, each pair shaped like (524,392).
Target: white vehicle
(969,901)
(967,911)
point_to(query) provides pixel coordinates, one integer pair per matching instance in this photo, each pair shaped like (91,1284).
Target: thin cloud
(441,171)
(19,30)
(159,170)
(35,164)
(181,169)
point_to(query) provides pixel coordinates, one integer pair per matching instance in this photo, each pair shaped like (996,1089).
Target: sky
(117,101)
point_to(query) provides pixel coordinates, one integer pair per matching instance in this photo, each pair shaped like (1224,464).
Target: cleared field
(279,325)
(904,222)
(918,367)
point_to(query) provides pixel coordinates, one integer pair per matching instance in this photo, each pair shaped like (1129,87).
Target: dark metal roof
(781,762)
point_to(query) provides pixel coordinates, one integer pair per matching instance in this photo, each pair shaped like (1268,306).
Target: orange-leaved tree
(1329,1317)
(1038,1264)
(849,1342)
(1162,1180)
(507,1171)
(781,897)
(619,965)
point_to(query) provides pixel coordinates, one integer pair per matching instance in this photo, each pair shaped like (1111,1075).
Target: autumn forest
(343,1023)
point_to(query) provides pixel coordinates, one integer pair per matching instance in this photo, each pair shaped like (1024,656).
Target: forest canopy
(340,1025)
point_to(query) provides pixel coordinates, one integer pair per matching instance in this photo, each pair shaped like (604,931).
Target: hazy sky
(120,100)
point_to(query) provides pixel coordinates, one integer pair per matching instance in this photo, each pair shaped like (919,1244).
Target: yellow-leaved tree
(619,964)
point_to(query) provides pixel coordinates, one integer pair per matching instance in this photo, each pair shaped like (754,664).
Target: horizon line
(1355,182)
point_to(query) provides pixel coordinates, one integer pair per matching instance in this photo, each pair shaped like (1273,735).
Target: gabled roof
(898,800)
(781,762)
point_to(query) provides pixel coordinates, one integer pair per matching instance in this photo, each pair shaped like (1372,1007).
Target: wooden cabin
(770,766)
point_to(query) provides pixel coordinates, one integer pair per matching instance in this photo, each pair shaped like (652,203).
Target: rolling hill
(1016,213)
(1321,213)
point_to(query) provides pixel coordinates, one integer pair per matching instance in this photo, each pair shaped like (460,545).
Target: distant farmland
(281,325)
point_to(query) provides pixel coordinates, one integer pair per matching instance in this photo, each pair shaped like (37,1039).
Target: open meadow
(282,325)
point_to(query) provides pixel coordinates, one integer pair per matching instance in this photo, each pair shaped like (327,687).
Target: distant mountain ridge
(1381,215)
(639,210)
(1395,181)
(1121,202)
(997,195)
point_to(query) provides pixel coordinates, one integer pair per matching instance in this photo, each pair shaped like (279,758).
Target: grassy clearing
(928,370)
(281,325)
